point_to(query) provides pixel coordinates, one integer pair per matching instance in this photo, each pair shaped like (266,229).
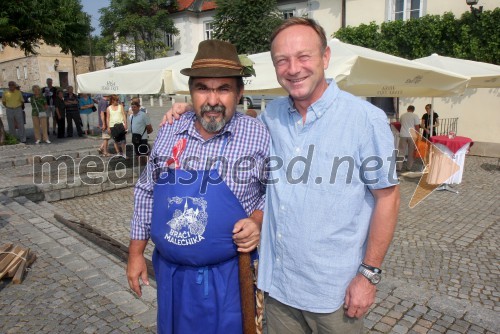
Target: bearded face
(212,118)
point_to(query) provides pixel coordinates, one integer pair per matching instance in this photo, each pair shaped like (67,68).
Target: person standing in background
(426,118)
(116,115)
(60,112)
(408,121)
(124,102)
(140,125)
(39,115)
(102,105)
(73,113)
(85,104)
(13,102)
(50,94)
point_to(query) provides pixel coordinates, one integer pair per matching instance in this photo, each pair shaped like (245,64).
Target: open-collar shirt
(318,206)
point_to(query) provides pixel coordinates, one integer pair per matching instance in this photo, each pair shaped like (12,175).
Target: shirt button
(277,259)
(282,207)
(297,149)
(279,235)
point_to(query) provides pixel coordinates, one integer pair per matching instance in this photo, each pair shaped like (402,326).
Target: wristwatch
(373,274)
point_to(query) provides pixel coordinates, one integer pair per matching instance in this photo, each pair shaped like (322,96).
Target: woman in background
(116,115)
(39,115)
(426,121)
(86,103)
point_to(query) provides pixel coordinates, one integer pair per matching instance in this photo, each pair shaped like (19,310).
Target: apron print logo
(189,221)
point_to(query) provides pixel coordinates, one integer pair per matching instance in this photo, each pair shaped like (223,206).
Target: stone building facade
(50,62)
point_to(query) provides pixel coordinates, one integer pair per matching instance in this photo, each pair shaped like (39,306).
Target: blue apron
(195,259)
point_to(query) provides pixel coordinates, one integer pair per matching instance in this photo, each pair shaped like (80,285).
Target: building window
(25,72)
(406,9)
(18,73)
(287,13)
(169,40)
(209,30)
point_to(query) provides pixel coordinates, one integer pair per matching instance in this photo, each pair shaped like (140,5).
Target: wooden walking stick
(247,293)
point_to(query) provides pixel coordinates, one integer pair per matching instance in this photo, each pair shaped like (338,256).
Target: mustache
(217,108)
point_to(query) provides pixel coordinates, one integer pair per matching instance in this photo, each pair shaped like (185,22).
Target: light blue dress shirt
(317,214)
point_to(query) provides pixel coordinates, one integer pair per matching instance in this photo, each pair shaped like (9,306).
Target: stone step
(28,158)
(100,272)
(53,186)
(72,164)
(31,157)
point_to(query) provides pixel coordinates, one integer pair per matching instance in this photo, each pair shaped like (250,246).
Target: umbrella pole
(431,120)
(431,128)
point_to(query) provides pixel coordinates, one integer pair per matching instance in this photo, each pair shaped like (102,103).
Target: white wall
(328,13)
(458,7)
(365,11)
(191,31)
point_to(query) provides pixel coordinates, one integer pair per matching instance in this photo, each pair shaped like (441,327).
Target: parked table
(454,148)
(396,125)
(395,129)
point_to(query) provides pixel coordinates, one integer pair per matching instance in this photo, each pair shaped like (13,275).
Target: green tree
(25,24)
(246,23)
(366,35)
(473,37)
(142,24)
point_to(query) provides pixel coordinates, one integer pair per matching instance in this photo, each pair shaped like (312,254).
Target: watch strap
(373,269)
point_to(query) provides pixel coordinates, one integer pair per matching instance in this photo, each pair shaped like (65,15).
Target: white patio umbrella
(358,70)
(365,72)
(147,77)
(482,75)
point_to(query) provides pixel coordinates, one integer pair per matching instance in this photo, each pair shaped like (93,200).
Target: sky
(92,7)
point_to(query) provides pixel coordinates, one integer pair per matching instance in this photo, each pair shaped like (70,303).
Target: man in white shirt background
(408,120)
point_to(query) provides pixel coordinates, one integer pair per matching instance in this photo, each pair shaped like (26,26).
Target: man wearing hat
(200,200)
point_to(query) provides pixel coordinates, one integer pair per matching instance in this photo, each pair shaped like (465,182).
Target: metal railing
(446,125)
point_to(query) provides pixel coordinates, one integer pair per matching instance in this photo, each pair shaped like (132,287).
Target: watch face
(376,278)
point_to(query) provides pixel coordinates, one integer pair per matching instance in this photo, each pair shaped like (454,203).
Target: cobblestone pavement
(73,286)
(440,276)
(110,212)
(441,273)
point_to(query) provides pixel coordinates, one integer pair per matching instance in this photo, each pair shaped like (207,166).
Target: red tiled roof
(195,5)
(183,4)
(208,5)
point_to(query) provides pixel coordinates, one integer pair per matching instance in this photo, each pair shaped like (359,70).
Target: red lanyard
(177,150)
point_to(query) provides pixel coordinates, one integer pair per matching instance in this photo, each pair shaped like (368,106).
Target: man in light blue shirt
(140,126)
(333,198)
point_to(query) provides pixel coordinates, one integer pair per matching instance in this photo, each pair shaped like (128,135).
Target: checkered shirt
(246,149)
